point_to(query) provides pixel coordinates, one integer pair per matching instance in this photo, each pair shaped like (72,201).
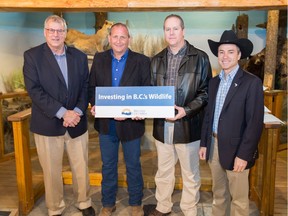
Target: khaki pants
(50,152)
(168,155)
(230,189)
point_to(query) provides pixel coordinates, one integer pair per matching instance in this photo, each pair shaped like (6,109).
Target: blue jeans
(109,146)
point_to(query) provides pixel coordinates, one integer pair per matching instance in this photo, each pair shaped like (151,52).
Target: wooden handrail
(13,94)
(20,116)
(272,125)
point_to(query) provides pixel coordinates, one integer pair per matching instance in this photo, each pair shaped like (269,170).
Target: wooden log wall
(139,5)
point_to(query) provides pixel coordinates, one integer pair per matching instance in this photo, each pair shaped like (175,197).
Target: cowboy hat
(229,37)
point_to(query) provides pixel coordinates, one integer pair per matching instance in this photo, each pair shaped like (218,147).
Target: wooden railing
(273,100)
(23,160)
(262,175)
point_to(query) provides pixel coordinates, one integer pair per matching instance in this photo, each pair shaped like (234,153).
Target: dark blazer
(47,88)
(240,121)
(136,73)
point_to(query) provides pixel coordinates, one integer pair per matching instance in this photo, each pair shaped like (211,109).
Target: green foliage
(14,81)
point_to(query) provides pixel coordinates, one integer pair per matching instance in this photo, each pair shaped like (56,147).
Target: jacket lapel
(128,70)
(107,69)
(70,69)
(214,89)
(233,88)
(54,65)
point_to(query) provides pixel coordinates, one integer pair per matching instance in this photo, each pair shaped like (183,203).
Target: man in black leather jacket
(187,69)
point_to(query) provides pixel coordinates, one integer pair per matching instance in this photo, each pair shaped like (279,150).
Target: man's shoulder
(137,55)
(194,50)
(36,48)
(104,54)
(248,75)
(214,80)
(160,55)
(75,51)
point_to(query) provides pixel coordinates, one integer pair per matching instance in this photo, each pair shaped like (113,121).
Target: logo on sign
(126,112)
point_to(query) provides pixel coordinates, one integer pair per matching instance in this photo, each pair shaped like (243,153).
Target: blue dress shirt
(223,89)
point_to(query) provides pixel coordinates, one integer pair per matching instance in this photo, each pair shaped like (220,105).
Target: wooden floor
(8,184)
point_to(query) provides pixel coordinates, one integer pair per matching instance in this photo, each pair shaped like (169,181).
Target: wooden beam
(271,49)
(139,5)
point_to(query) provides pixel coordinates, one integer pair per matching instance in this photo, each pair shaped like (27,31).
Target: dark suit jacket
(240,121)
(46,87)
(136,73)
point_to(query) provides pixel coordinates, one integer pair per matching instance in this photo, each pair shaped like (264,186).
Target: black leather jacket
(191,93)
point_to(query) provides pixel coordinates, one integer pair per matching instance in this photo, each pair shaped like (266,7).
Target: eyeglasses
(59,31)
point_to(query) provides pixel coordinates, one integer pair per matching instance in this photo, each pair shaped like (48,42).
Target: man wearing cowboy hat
(232,126)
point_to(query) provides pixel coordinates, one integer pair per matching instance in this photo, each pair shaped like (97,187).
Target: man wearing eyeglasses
(56,78)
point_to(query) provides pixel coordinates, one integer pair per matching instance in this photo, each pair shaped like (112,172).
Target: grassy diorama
(14,81)
(148,45)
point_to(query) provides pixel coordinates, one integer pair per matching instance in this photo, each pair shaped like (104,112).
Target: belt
(214,135)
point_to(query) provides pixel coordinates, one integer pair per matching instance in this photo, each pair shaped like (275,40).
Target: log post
(271,49)
(20,122)
(242,31)
(242,26)
(100,18)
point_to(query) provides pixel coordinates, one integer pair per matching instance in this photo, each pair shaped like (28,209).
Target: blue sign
(144,101)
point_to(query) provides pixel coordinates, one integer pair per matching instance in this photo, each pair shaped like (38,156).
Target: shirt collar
(231,75)
(61,55)
(124,56)
(180,52)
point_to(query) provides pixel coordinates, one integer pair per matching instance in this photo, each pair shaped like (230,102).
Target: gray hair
(55,18)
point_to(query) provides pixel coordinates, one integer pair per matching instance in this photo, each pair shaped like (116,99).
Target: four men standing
(56,79)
